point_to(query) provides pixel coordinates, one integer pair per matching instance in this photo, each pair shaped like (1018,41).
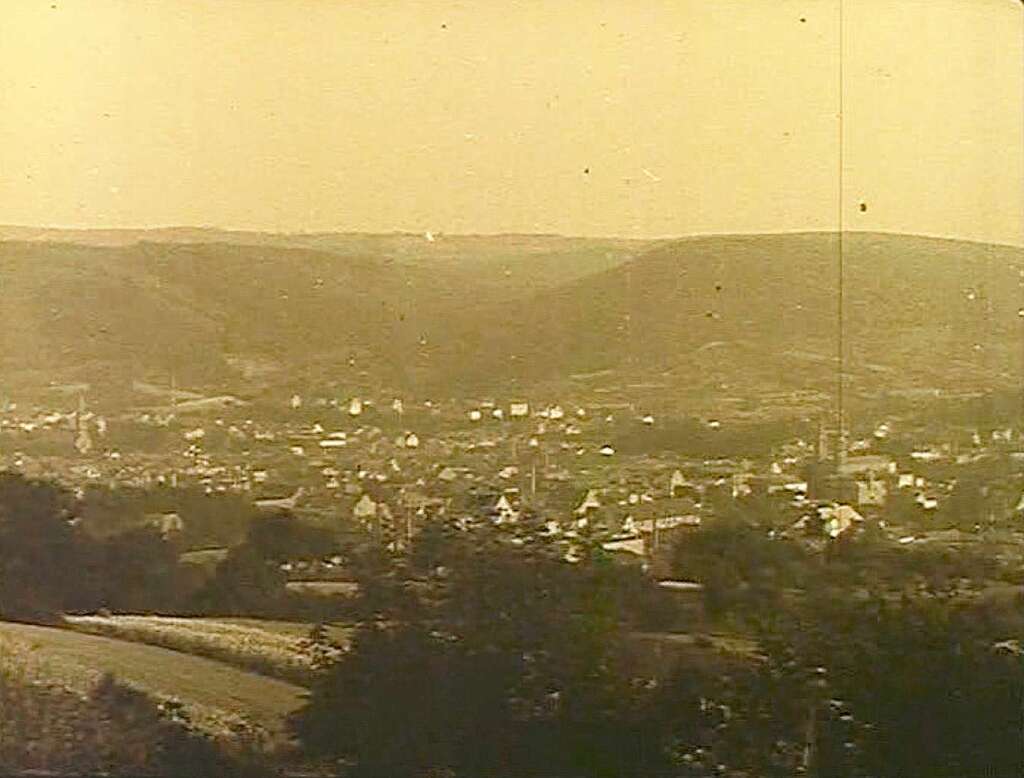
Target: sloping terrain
(183,308)
(456,314)
(212,688)
(127,309)
(504,264)
(913,309)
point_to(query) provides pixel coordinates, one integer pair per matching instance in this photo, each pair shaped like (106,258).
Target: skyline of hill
(696,304)
(461,313)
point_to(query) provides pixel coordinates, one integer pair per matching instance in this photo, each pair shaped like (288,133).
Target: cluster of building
(386,466)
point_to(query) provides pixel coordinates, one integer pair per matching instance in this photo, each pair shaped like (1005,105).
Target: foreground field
(279,649)
(58,719)
(216,697)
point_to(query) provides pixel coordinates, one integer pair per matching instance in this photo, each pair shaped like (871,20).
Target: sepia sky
(623,117)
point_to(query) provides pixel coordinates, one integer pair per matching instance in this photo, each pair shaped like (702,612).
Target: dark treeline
(477,655)
(489,651)
(53,561)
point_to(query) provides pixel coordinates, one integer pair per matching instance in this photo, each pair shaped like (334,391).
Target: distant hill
(184,308)
(464,313)
(510,264)
(118,304)
(766,306)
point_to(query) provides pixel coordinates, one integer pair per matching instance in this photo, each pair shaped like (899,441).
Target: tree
(911,688)
(510,661)
(281,537)
(742,569)
(245,583)
(40,559)
(136,572)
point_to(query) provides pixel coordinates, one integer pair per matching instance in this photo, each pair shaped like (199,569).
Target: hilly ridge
(119,305)
(466,313)
(924,308)
(182,308)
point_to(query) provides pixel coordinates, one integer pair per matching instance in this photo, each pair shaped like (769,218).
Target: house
(681,586)
(503,511)
(871,492)
(167,524)
(647,535)
(365,509)
(590,503)
(867,465)
(664,523)
(630,545)
(519,410)
(281,503)
(679,486)
(741,485)
(838,518)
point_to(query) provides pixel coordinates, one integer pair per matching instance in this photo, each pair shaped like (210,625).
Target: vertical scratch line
(841,356)
(1020,279)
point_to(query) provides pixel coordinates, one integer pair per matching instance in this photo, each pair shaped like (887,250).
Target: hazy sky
(628,117)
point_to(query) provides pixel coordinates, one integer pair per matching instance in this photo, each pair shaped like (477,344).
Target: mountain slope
(184,307)
(503,264)
(746,310)
(910,304)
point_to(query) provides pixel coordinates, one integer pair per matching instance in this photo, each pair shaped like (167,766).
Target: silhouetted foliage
(482,657)
(907,687)
(281,537)
(39,551)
